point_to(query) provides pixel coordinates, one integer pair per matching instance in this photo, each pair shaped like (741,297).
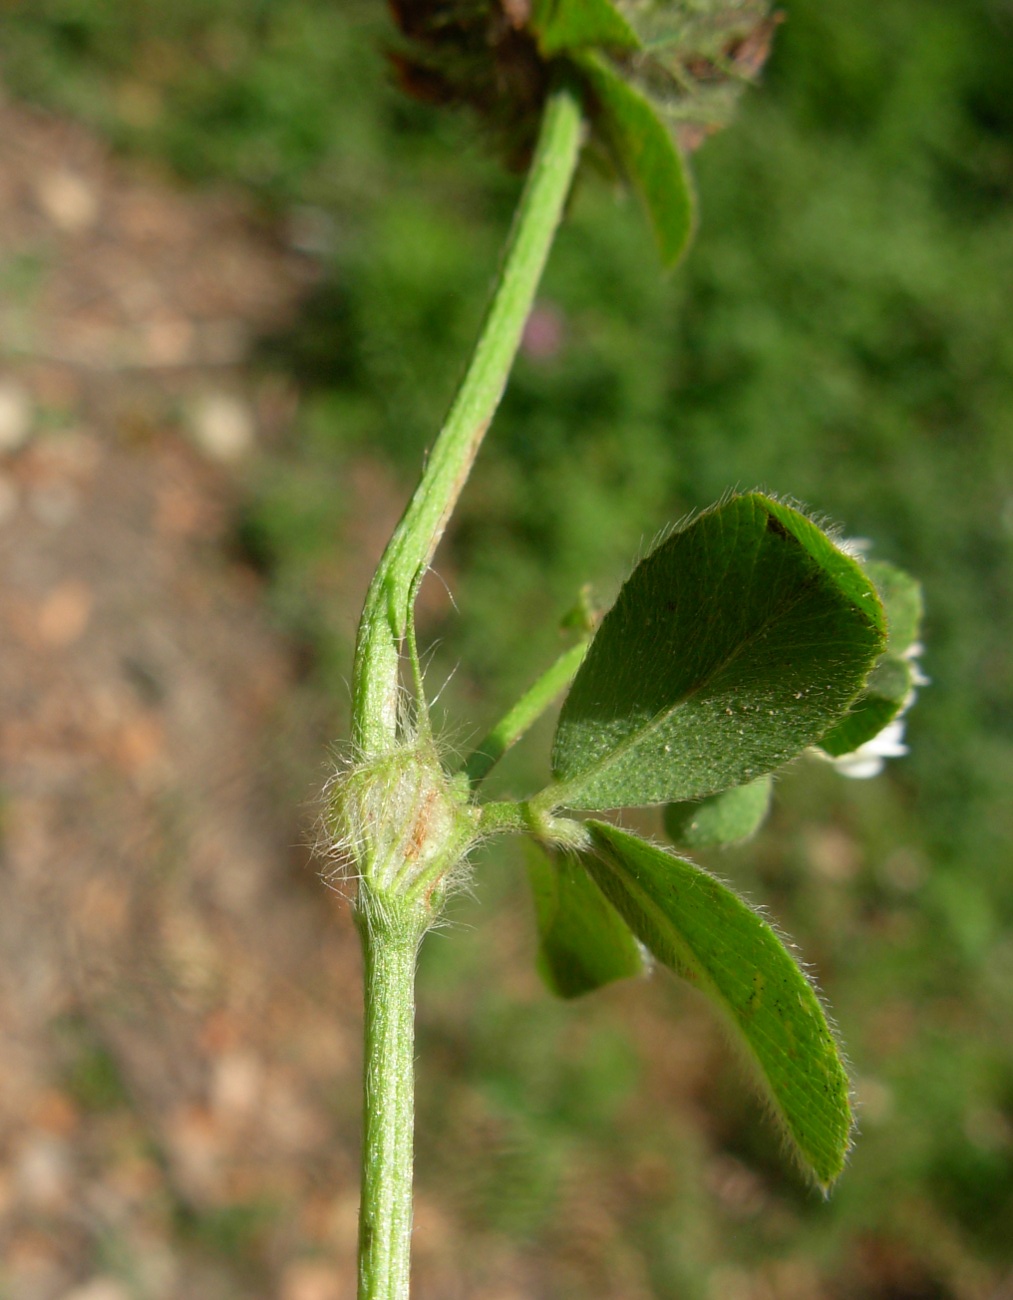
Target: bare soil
(178,995)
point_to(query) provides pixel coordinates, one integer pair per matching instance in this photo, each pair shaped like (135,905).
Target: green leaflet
(889,688)
(883,699)
(726,818)
(902,599)
(704,932)
(647,154)
(583,942)
(736,644)
(577,24)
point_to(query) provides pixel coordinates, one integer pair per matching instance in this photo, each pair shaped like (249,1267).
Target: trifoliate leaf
(705,933)
(742,639)
(583,941)
(725,818)
(647,153)
(577,24)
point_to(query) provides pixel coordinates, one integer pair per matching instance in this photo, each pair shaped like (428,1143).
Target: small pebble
(68,200)
(99,1288)
(313,1280)
(168,341)
(65,613)
(222,426)
(44,1173)
(16,413)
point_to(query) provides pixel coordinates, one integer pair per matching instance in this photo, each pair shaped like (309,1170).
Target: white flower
(869,759)
(918,678)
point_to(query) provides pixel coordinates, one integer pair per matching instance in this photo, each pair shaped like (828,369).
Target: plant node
(399,824)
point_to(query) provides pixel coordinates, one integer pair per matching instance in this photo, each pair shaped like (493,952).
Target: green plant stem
(387,610)
(524,818)
(528,709)
(385,1210)
(391,927)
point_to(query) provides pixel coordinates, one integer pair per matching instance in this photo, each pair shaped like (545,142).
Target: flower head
(657,76)
(477,53)
(690,58)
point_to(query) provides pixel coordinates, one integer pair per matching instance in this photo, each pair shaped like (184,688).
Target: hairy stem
(387,611)
(392,924)
(385,1210)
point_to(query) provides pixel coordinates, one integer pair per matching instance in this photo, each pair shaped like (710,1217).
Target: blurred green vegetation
(91,1075)
(840,333)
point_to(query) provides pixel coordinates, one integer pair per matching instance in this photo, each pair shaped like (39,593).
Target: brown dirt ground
(178,996)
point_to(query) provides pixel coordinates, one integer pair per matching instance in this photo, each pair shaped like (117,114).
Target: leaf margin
(822,1170)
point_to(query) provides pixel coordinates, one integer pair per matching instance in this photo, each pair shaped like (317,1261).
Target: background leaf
(726,818)
(702,931)
(583,941)
(736,644)
(647,154)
